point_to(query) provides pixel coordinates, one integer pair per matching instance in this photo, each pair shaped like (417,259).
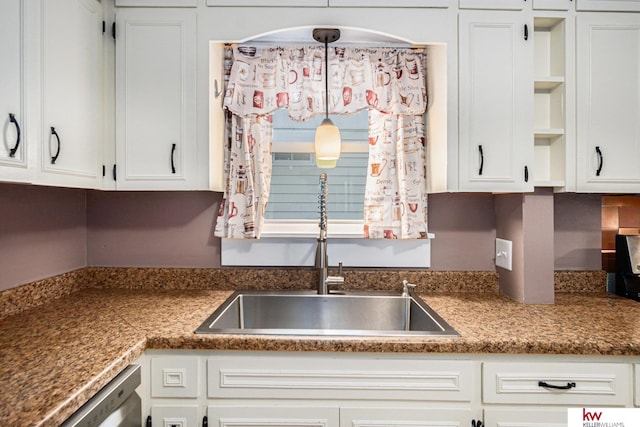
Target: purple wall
(43,232)
(46,231)
(146,229)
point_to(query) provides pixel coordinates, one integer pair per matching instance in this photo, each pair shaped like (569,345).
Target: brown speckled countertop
(55,355)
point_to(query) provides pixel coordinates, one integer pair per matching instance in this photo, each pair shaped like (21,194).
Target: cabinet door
(496,101)
(552,4)
(13,153)
(272,416)
(71,133)
(155,99)
(609,5)
(608,107)
(269,3)
(389,3)
(492,4)
(401,417)
(525,417)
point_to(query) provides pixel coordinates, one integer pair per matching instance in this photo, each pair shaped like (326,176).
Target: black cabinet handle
(12,119)
(149,421)
(526,174)
(481,159)
(173,152)
(205,421)
(55,156)
(544,384)
(114,172)
(600,161)
(526,32)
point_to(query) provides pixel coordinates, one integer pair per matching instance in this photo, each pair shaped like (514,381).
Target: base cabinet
(272,389)
(525,417)
(271,416)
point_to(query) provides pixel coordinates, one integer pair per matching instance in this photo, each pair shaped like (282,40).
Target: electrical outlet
(504,253)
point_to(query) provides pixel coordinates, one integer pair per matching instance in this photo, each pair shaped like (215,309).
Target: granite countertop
(56,355)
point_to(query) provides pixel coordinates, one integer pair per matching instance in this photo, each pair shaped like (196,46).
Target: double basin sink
(307,313)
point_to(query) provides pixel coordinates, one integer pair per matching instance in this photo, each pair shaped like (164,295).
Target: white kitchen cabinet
(552,4)
(525,417)
(609,5)
(608,106)
(175,377)
(492,4)
(548,383)
(554,123)
(156,3)
(389,3)
(269,3)
(270,416)
(175,416)
(71,65)
(495,101)
(156,145)
(402,417)
(14,165)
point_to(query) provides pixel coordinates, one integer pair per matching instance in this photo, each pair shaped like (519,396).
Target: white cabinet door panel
(525,417)
(71,93)
(13,153)
(496,101)
(155,99)
(609,5)
(608,107)
(248,415)
(403,417)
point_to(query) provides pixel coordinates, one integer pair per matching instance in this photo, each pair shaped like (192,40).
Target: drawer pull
(569,386)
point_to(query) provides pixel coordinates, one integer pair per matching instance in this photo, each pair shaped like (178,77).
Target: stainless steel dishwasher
(116,405)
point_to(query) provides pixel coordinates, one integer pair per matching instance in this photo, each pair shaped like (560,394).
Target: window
(293,202)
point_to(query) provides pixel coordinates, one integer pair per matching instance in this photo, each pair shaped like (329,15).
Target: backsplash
(15,300)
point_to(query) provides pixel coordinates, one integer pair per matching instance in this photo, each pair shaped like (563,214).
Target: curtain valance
(263,79)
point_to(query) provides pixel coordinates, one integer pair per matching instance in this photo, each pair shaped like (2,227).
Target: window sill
(336,229)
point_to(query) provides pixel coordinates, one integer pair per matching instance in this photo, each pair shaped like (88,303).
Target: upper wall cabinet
(496,102)
(609,5)
(608,107)
(493,4)
(13,153)
(71,129)
(156,145)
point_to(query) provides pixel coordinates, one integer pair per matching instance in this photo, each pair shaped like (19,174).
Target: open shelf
(549,102)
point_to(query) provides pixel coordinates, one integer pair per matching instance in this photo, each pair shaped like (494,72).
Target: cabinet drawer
(174,377)
(331,377)
(586,383)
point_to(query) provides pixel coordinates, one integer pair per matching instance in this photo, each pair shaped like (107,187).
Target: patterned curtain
(247,176)
(389,82)
(395,200)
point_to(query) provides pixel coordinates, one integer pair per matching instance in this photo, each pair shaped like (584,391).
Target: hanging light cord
(326,77)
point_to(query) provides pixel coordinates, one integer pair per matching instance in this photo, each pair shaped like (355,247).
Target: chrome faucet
(322,259)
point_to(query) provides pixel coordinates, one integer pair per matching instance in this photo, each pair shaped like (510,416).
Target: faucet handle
(405,287)
(340,268)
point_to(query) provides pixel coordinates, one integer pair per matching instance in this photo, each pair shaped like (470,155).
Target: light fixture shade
(328,144)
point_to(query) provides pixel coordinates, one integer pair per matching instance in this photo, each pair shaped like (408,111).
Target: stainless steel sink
(306,313)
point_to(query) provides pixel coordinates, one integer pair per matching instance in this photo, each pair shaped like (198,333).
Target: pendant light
(327,142)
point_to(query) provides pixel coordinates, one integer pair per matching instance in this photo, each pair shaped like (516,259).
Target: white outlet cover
(504,253)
